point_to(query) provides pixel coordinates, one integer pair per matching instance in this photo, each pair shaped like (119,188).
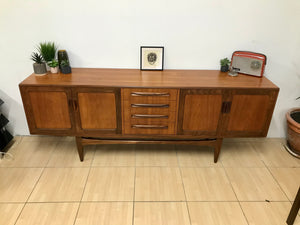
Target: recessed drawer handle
(151,105)
(148,116)
(150,126)
(149,94)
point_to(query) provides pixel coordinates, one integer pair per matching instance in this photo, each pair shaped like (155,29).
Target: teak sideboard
(111,106)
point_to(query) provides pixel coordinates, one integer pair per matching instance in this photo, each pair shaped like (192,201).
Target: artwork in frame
(152,58)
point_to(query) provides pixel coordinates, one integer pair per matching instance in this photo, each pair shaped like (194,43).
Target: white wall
(195,33)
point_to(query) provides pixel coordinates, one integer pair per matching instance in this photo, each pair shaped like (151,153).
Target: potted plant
(39,67)
(65,67)
(293,131)
(53,66)
(225,64)
(47,50)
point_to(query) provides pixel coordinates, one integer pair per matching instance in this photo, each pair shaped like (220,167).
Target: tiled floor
(254,183)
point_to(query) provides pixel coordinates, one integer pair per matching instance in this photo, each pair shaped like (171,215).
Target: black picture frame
(152,58)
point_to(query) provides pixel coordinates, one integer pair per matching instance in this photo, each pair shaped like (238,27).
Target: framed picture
(152,58)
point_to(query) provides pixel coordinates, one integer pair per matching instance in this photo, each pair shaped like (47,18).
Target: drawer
(144,128)
(149,95)
(150,107)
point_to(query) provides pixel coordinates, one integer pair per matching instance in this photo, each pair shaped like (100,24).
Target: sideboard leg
(79,148)
(217,149)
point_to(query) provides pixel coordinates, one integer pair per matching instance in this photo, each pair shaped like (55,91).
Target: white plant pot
(54,69)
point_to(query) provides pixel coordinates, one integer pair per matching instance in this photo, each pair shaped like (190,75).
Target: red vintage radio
(249,63)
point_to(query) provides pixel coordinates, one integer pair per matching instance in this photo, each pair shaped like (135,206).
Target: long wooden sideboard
(111,106)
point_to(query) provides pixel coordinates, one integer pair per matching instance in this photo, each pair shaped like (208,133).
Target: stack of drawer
(149,111)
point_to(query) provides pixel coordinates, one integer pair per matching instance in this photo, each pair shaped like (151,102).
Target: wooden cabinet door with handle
(97,111)
(48,110)
(249,113)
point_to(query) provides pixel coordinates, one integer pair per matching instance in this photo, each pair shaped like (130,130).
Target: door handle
(226,107)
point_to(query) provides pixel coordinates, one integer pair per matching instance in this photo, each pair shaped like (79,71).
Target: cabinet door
(98,110)
(250,113)
(48,110)
(200,112)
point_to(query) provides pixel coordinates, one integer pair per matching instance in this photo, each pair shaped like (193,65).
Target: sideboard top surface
(155,79)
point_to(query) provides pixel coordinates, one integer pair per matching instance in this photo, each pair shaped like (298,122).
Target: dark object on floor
(294,210)
(5,136)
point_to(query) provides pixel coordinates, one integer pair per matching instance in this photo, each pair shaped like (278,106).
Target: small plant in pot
(39,67)
(47,50)
(225,64)
(53,66)
(65,67)
(293,131)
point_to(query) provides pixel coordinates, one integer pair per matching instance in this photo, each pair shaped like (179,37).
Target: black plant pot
(66,69)
(225,68)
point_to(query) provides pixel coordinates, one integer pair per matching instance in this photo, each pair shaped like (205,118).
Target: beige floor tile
(9,213)
(60,184)
(40,138)
(66,155)
(17,183)
(161,213)
(110,184)
(207,184)
(114,155)
(48,214)
(288,179)
(255,184)
(30,154)
(105,213)
(274,154)
(158,184)
(196,156)
(239,154)
(216,213)
(156,155)
(267,213)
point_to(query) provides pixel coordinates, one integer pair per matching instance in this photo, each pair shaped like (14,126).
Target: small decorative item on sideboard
(62,55)
(152,58)
(225,64)
(53,66)
(39,67)
(65,67)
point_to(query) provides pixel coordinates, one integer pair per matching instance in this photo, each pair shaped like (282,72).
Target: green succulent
(47,50)
(53,63)
(37,58)
(224,62)
(64,63)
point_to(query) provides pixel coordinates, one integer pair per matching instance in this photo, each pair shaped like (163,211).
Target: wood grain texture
(105,213)
(158,184)
(216,213)
(196,105)
(50,109)
(161,213)
(159,79)
(60,184)
(202,112)
(145,98)
(248,112)
(97,110)
(48,214)
(9,213)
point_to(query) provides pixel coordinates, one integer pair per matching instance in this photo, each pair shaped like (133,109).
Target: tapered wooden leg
(294,210)
(79,148)
(217,149)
